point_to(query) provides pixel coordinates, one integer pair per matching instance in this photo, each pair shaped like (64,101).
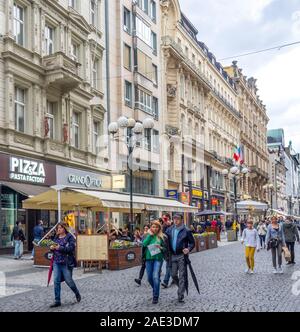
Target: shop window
(10,212)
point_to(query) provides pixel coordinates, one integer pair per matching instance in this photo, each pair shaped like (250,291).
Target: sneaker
(55,305)
(181,300)
(138,281)
(280,270)
(32,258)
(251,272)
(289,263)
(78,298)
(247,271)
(293,263)
(164,285)
(275,271)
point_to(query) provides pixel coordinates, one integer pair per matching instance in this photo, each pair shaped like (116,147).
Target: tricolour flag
(238,155)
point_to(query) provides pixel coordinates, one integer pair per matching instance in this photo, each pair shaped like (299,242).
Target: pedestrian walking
(251,240)
(181,242)
(235,228)
(17,237)
(155,247)
(291,235)
(64,262)
(143,267)
(228,225)
(275,241)
(38,233)
(262,232)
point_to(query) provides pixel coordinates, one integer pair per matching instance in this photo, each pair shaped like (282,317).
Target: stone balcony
(61,71)
(169,42)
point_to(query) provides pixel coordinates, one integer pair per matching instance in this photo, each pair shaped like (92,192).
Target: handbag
(287,254)
(273,243)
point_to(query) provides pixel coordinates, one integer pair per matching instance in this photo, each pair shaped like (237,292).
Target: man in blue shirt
(38,233)
(181,243)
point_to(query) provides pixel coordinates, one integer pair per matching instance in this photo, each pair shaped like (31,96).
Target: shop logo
(27,170)
(86,181)
(130,257)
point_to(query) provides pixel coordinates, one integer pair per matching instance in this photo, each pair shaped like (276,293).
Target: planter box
(200,243)
(122,259)
(231,236)
(212,241)
(42,256)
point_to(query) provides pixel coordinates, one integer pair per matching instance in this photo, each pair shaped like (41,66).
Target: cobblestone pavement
(224,287)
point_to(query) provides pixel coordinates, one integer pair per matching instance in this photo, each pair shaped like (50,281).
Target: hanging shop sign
(118,181)
(215,202)
(197,193)
(184,198)
(26,170)
(172,194)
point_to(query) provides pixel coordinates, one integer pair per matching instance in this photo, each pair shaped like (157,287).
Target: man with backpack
(18,238)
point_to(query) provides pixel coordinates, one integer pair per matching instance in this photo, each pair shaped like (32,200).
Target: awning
(102,201)
(25,189)
(252,206)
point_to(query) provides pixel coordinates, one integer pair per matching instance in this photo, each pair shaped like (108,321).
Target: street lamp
(235,172)
(134,129)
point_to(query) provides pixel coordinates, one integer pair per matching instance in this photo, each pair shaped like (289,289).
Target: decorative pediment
(80,20)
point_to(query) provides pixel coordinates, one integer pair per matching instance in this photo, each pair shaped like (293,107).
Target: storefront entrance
(10,212)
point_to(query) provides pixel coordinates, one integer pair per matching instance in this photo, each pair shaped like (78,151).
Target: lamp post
(235,172)
(134,130)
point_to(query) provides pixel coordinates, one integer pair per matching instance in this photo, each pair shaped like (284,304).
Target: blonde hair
(160,233)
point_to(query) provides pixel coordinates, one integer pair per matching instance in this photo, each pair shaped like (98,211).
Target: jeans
(153,268)
(178,266)
(262,241)
(61,270)
(17,253)
(36,240)
(277,252)
(168,274)
(291,247)
(250,253)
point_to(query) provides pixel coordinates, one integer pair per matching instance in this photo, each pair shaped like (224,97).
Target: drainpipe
(107,60)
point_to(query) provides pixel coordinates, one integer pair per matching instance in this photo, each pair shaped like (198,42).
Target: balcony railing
(225,102)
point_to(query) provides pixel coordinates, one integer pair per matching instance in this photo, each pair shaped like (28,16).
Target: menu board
(92,248)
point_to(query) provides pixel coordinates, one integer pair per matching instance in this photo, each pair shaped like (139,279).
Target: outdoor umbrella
(189,264)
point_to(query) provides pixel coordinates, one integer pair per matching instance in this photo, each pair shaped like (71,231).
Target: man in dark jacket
(291,234)
(38,233)
(181,243)
(17,237)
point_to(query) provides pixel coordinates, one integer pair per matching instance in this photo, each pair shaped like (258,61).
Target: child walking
(251,240)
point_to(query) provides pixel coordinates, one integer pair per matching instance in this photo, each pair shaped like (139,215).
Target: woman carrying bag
(155,248)
(275,241)
(64,262)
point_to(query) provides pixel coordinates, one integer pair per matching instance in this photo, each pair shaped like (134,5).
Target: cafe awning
(103,201)
(25,189)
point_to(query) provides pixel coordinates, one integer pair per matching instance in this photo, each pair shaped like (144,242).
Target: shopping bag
(287,254)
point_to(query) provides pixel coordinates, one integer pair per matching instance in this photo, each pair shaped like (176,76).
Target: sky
(234,27)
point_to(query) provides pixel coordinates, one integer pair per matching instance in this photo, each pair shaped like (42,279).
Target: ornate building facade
(200,115)
(253,136)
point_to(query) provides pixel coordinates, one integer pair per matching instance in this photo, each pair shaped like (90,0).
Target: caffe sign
(81,179)
(26,170)
(87,181)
